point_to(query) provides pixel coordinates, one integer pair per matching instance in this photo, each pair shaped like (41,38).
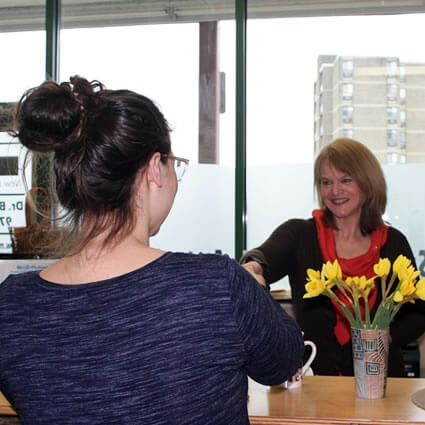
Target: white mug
(296,380)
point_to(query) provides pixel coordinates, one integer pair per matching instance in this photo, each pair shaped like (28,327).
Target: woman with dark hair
(352,196)
(116,331)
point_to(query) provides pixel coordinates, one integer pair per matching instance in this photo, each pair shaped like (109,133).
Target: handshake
(256,271)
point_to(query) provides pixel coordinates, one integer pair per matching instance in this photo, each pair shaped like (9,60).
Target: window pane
(347,114)
(188,68)
(347,68)
(300,97)
(392,91)
(392,138)
(22,39)
(392,115)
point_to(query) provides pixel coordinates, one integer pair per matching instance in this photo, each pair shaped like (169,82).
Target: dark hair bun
(51,116)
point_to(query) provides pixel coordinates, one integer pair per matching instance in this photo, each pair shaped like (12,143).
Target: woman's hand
(256,271)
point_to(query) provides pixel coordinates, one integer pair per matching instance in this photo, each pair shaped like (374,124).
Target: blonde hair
(358,161)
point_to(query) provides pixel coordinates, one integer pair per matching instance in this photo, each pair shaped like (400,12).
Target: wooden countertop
(321,400)
(332,400)
(5,408)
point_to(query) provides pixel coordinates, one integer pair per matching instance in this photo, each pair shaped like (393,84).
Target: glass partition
(23,39)
(185,62)
(304,91)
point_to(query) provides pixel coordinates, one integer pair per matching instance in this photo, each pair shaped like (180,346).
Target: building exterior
(379,101)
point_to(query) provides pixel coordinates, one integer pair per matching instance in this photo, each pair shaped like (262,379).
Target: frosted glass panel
(289,194)
(202,216)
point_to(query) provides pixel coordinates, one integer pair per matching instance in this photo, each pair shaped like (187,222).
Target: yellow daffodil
(360,286)
(313,274)
(401,261)
(355,287)
(407,273)
(406,289)
(314,288)
(420,289)
(332,270)
(383,268)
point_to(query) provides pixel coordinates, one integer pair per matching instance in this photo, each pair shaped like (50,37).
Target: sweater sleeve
(409,323)
(276,253)
(272,340)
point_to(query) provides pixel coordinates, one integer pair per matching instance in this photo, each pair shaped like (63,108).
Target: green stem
(356,308)
(353,322)
(394,312)
(347,312)
(342,287)
(390,285)
(383,289)
(367,313)
(383,315)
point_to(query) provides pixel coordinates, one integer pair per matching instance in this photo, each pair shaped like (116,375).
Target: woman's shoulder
(298,226)
(396,244)
(300,222)
(213,270)
(200,262)
(395,234)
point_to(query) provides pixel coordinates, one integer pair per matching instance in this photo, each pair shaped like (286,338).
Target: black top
(291,249)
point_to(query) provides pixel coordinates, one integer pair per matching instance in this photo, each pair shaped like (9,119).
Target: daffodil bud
(313,274)
(382,269)
(332,270)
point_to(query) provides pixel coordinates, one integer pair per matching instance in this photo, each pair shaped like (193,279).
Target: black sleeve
(276,254)
(409,323)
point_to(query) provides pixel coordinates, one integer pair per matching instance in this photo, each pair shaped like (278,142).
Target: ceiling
(21,15)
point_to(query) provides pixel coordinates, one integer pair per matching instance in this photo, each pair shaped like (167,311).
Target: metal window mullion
(52,38)
(240,168)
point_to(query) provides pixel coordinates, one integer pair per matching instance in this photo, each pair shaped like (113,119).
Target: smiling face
(340,193)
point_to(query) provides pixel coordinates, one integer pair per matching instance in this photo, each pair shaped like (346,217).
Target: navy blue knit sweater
(170,343)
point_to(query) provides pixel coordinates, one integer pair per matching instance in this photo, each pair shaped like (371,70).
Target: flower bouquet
(404,280)
(370,335)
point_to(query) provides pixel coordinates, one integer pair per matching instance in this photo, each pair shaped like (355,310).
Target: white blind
(29,14)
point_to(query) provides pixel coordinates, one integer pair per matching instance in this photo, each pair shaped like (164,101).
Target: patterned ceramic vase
(370,356)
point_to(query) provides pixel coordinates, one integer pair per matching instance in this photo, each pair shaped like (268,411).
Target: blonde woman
(348,226)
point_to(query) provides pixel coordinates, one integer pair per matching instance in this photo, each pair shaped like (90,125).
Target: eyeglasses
(180,164)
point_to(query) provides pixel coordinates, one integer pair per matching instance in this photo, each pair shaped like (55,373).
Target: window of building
(392,91)
(391,68)
(391,138)
(402,74)
(392,115)
(347,133)
(402,118)
(347,68)
(402,140)
(347,91)
(347,114)
(402,96)
(392,157)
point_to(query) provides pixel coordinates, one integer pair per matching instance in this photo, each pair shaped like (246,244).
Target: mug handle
(312,356)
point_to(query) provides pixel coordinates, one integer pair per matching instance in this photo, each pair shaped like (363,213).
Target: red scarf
(358,266)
